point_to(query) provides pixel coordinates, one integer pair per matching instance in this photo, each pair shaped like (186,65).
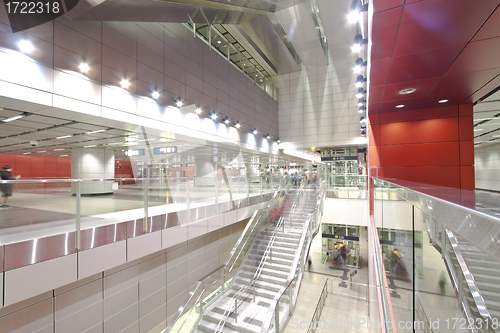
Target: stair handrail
(291,275)
(469,278)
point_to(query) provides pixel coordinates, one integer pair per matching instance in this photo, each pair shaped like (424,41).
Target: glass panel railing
(441,277)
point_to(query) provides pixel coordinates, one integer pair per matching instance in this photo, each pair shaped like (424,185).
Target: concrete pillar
(93,163)
(205,171)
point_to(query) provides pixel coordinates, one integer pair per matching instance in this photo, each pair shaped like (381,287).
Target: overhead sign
(340,158)
(165,150)
(176,165)
(136,152)
(190,165)
(255,165)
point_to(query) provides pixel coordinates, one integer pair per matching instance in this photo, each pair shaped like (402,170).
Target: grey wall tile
(119,42)
(77,42)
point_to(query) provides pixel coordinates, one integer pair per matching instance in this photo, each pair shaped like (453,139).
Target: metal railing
(319,309)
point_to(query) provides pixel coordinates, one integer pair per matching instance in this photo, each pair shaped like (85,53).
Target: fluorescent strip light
(27,153)
(114,143)
(89,146)
(13,118)
(98,131)
(63,137)
(59,149)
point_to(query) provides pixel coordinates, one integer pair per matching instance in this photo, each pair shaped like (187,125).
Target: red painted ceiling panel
(466,83)
(423,65)
(432,101)
(373,108)
(381,5)
(385,28)
(428,25)
(477,56)
(423,87)
(491,28)
(375,94)
(378,71)
(409,104)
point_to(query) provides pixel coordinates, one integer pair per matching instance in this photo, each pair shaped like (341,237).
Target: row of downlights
(27,47)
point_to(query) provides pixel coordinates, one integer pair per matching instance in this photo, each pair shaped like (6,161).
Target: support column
(205,171)
(93,163)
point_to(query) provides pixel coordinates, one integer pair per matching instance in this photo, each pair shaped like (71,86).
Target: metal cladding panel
(37,250)
(100,236)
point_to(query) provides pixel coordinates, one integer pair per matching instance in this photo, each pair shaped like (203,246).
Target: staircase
(486,272)
(262,274)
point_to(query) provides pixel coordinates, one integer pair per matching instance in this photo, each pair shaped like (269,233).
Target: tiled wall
(314,110)
(139,296)
(37,166)
(487,167)
(151,56)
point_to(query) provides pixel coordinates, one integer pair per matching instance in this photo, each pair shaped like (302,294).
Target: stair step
(276,249)
(258,291)
(265,274)
(268,265)
(273,255)
(279,261)
(259,284)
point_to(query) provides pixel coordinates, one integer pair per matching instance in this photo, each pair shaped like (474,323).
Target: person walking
(6,188)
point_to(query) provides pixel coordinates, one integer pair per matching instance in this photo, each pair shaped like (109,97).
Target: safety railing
(411,217)
(319,309)
(189,314)
(347,187)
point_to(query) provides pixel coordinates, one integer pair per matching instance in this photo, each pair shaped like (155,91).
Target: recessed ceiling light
(213,116)
(41,151)
(63,137)
(62,155)
(237,125)
(84,68)
(124,83)
(25,46)
(443,101)
(218,42)
(179,103)
(198,110)
(407,91)
(114,143)
(27,153)
(477,129)
(59,149)
(400,106)
(155,94)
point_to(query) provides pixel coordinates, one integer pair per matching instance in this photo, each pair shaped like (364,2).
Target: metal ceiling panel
(301,31)
(378,72)
(491,28)
(477,56)
(383,5)
(384,33)
(422,87)
(409,104)
(421,65)
(428,25)
(467,82)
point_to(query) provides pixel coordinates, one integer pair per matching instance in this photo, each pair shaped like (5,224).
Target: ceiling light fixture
(25,46)
(407,91)
(179,103)
(114,143)
(361,109)
(362,120)
(98,131)
(360,93)
(59,149)
(226,120)
(83,67)
(361,101)
(155,94)
(254,131)
(27,153)
(41,151)
(89,146)
(358,65)
(8,120)
(63,137)
(124,83)
(198,110)
(268,136)
(360,80)
(218,42)
(443,101)
(237,125)
(358,43)
(356,9)
(213,116)
(278,141)
(400,106)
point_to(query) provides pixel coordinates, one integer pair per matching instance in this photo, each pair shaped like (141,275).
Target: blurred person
(6,174)
(442,283)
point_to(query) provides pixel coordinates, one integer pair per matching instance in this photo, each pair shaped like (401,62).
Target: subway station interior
(250,166)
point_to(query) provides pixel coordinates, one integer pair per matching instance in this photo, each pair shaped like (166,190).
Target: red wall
(30,166)
(433,146)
